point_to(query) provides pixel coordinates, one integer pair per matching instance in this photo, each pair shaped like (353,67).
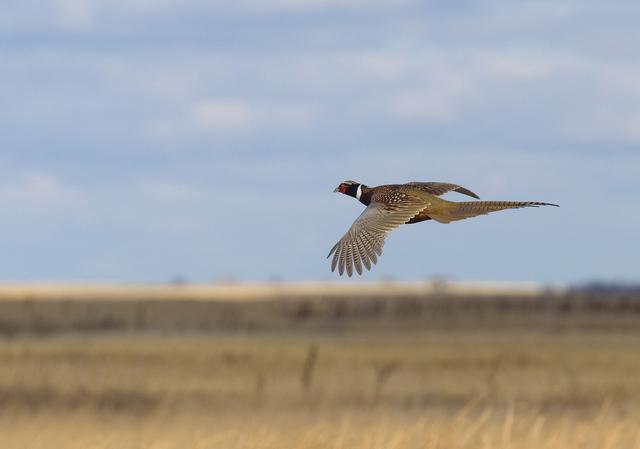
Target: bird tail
(467,209)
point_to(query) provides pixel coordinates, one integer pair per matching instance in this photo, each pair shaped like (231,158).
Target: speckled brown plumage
(389,206)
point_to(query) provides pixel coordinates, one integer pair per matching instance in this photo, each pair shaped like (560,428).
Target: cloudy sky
(143,140)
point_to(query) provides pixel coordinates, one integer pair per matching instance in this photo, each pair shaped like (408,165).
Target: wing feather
(366,258)
(363,242)
(440,188)
(349,259)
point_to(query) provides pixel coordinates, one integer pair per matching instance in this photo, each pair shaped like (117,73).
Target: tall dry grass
(483,427)
(395,390)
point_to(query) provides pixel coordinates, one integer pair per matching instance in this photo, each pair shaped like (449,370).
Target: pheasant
(392,205)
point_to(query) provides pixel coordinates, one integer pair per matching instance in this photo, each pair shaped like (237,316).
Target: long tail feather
(468,209)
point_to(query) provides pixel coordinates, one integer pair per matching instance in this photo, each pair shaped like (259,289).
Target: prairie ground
(444,389)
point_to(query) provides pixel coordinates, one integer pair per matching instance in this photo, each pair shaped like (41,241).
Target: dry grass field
(354,390)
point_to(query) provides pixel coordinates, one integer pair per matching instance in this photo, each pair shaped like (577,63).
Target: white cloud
(386,65)
(430,105)
(238,115)
(226,114)
(519,66)
(39,189)
(608,125)
(441,99)
(76,14)
(168,191)
(319,4)
(435,86)
(87,14)
(229,117)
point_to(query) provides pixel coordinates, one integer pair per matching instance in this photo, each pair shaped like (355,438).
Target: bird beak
(337,189)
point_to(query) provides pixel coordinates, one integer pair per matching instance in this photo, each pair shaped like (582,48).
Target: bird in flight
(389,206)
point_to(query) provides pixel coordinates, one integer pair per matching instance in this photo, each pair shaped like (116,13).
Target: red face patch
(343,188)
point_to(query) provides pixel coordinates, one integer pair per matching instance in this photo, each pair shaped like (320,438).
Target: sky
(155,140)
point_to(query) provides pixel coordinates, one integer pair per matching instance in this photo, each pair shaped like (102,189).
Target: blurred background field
(358,366)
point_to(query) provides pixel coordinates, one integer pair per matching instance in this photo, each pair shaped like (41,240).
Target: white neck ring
(359,191)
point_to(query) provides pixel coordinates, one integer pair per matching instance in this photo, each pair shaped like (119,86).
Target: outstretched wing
(363,243)
(440,188)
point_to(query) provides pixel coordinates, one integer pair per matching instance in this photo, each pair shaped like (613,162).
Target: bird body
(391,205)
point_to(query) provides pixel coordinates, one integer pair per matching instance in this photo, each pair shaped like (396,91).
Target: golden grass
(419,390)
(485,429)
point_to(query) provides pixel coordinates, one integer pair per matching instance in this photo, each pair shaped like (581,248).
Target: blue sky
(148,139)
